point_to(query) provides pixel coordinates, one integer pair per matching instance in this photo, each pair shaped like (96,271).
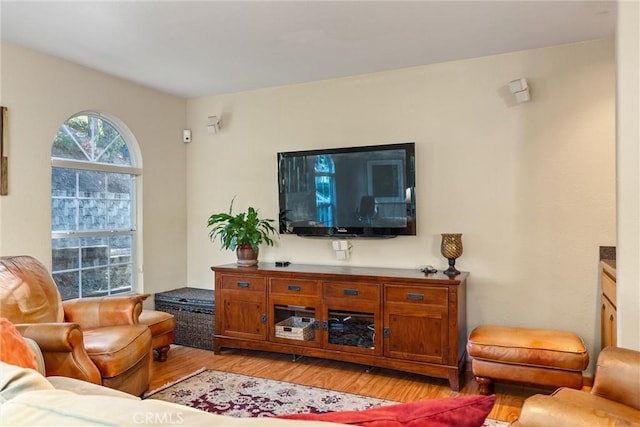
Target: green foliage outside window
(90,138)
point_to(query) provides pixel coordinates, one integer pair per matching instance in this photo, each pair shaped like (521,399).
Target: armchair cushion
(114,349)
(13,348)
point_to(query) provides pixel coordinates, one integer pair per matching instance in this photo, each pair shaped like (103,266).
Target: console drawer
(416,295)
(352,291)
(295,287)
(243,283)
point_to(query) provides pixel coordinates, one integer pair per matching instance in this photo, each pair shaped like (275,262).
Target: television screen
(348,192)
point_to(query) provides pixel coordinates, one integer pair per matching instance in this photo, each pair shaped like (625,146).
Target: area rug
(235,395)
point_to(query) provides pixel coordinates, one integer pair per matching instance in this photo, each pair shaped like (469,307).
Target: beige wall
(41,92)
(628,177)
(530,186)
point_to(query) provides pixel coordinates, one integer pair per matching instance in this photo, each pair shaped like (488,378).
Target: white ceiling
(199,48)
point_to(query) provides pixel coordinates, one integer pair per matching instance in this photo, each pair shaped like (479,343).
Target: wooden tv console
(393,318)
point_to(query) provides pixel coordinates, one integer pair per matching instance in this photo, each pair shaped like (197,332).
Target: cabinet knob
(415,297)
(263,318)
(351,292)
(243,284)
(296,288)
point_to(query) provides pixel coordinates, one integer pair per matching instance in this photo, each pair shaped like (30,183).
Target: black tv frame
(351,231)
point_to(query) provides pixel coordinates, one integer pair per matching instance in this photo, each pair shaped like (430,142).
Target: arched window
(93,208)
(325,171)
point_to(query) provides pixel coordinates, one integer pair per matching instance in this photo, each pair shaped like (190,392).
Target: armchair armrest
(62,349)
(92,313)
(616,376)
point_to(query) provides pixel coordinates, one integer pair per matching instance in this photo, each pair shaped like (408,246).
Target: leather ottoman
(162,326)
(534,356)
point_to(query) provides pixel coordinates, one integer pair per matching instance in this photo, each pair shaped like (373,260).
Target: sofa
(27,398)
(614,399)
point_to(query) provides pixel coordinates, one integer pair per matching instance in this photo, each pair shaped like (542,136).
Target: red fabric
(13,349)
(464,411)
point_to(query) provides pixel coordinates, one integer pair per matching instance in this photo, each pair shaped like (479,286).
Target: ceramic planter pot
(246,256)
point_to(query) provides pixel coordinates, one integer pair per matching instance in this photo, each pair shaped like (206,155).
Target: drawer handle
(415,297)
(243,284)
(294,288)
(350,292)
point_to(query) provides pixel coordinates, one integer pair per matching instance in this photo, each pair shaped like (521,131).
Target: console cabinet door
(244,304)
(353,320)
(608,313)
(608,323)
(416,323)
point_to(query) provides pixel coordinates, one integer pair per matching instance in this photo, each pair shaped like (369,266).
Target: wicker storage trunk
(194,310)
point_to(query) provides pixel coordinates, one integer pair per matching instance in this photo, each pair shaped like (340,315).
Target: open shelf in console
(294,322)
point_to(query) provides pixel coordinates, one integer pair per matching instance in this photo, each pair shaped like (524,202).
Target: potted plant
(242,232)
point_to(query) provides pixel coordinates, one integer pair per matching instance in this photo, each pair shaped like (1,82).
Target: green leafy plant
(241,229)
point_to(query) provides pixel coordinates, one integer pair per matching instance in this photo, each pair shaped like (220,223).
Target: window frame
(136,199)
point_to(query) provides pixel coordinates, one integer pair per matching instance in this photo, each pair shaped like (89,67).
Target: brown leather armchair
(93,339)
(614,399)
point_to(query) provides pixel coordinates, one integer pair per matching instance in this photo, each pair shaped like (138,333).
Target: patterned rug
(235,395)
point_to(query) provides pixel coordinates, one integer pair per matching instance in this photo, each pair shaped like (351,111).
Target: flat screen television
(366,191)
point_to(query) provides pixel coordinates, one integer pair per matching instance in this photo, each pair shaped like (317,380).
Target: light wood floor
(334,375)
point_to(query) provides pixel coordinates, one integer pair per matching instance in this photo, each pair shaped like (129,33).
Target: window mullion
(109,240)
(66,129)
(77,201)
(101,167)
(80,287)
